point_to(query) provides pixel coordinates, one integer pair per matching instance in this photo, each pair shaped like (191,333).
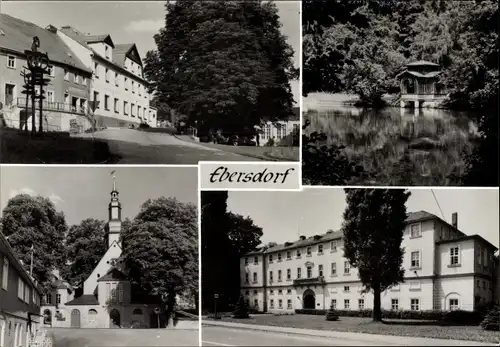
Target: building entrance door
(309,300)
(75,319)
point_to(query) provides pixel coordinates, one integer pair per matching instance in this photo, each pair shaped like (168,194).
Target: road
(140,147)
(66,337)
(223,336)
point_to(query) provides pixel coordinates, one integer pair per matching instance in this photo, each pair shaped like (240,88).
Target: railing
(53,106)
(311,280)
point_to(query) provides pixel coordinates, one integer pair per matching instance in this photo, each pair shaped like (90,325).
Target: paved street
(225,336)
(140,147)
(65,337)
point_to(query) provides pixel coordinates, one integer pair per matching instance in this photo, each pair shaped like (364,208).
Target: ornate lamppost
(38,66)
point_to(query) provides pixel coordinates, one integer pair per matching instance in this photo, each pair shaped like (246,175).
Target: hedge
(457,317)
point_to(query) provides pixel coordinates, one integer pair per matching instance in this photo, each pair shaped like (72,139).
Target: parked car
(131,126)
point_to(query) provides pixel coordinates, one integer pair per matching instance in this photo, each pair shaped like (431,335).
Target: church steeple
(115,216)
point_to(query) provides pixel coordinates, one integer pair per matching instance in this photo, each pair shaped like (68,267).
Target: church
(108,299)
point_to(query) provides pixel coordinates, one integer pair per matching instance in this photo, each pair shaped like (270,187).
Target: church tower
(115,217)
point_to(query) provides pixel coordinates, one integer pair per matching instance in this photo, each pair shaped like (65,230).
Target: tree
(241,310)
(34,222)
(160,250)
(331,314)
(223,63)
(374,221)
(86,244)
(243,234)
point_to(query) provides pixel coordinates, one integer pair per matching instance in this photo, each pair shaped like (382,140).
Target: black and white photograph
(98,256)
(149,82)
(400,93)
(358,267)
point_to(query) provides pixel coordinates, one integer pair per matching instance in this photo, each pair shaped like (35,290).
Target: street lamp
(216,296)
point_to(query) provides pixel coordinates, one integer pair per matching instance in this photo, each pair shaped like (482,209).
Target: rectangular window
(333,304)
(415,304)
(415,230)
(347,268)
(246,259)
(84,80)
(333,246)
(125,82)
(271,292)
(454,304)
(394,304)
(288,255)
(256,303)
(309,271)
(270,258)
(256,260)
(133,87)
(106,50)
(280,303)
(48,299)
(279,275)
(96,70)
(280,292)
(117,76)
(58,299)
(289,291)
(75,77)
(5,273)
(271,303)
(107,75)
(289,304)
(334,269)
(247,278)
(20,288)
(50,71)
(279,256)
(347,304)
(132,110)
(308,251)
(415,259)
(320,270)
(299,273)
(289,274)
(11,62)
(454,256)
(320,249)
(255,277)
(139,87)
(96,98)
(106,102)
(116,105)
(347,289)
(361,304)
(298,253)
(270,276)
(125,112)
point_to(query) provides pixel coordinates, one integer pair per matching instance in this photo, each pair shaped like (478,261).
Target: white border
(200,336)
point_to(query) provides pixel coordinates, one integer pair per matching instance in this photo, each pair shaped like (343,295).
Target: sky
(284,216)
(132,21)
(84,192)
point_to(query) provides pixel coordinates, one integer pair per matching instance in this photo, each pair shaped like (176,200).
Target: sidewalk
(394,340)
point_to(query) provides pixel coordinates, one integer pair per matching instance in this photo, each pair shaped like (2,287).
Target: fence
(53,106)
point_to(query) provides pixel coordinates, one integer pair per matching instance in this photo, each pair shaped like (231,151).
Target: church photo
(111,247)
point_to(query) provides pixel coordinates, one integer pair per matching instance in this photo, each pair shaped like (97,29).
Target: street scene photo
(93,256)
(149,82)
(400,93)
(358,267)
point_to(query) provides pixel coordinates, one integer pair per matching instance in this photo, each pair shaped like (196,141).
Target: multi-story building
(19,300)
(68,91)
(444,270)
(282,132)
(117,83)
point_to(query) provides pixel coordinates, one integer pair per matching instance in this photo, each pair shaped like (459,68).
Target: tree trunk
(377,312)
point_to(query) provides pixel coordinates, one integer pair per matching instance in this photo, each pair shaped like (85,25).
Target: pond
(419,147)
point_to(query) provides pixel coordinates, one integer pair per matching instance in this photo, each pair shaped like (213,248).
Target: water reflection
(429,143)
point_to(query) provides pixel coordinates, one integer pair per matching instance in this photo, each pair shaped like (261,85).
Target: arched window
(137,312)
(92,315)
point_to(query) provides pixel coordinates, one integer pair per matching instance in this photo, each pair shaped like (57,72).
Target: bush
(492,320)
(241,310)
(270,143)
(144,126)
(331,315)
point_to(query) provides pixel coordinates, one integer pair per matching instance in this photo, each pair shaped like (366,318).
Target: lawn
(17,147)
(365,325)
(264,153)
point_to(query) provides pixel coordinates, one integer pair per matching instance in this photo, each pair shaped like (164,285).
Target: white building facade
(444,270)
(118,82)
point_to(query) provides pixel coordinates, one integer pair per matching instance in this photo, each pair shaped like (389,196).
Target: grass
(170,131)
(264,153)
(394,327)
(378,141)
(17,147)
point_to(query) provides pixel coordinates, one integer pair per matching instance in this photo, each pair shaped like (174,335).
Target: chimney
(454,219)
(302,237)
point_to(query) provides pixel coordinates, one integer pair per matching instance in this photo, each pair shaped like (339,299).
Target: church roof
(86,299)
(422,63)
(113,275)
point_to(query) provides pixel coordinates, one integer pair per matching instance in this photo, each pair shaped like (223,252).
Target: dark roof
(86,299)
(18,36)
(120,52)
(60,284)
(85,39)
(422,63)
(113,275)
(421,75)
(412,217)
(468,237)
